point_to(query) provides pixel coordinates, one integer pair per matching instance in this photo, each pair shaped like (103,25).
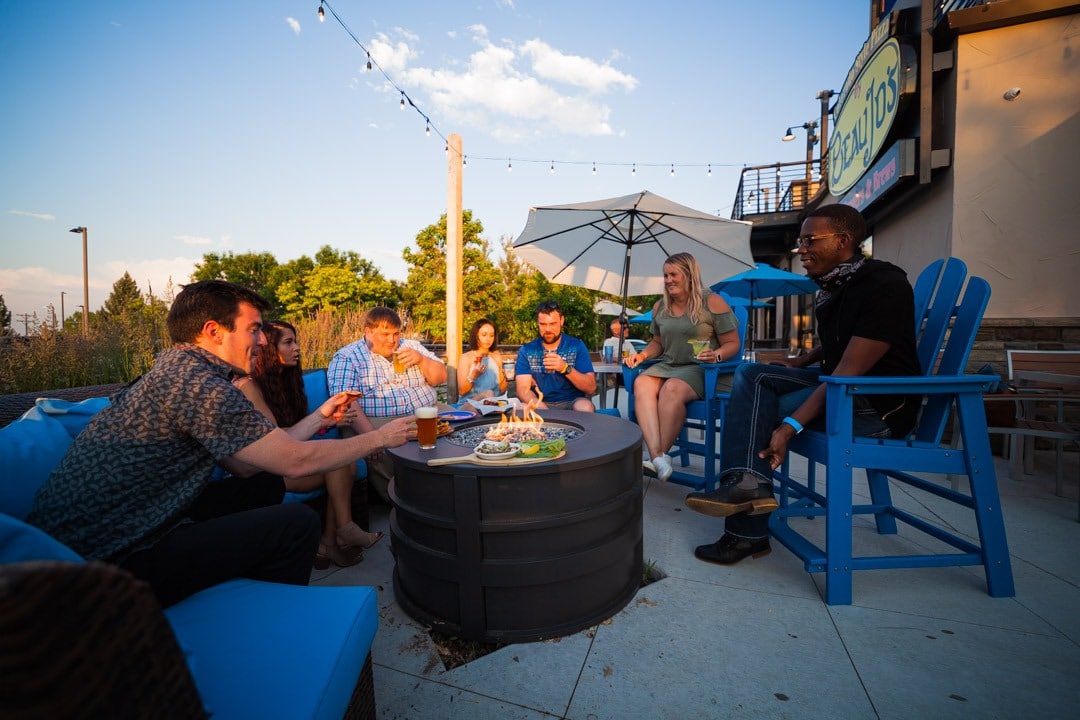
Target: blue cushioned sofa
(90,634)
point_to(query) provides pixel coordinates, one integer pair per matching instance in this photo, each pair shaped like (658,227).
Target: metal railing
(779,187)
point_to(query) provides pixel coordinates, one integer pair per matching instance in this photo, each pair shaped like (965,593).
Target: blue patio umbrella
(765,281)
(646,318)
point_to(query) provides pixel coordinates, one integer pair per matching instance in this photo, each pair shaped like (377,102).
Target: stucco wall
(1009,204)
(1016,198)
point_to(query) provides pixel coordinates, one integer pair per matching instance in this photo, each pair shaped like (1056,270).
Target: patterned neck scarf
(837,278)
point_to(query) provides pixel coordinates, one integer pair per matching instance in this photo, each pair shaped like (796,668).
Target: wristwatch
(566,370)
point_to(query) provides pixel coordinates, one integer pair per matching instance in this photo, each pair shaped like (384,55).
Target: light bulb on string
(322,14)
(552,167)
(633,169)
(594,168)
(709,173)
(464,160)
(369,62)
(446,149)
(402,101)
(672,169)
(427,127)
(509,166)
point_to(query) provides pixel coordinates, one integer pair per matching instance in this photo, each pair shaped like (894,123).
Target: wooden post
(453,264)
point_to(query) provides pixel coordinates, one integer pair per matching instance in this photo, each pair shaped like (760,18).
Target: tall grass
(120,349)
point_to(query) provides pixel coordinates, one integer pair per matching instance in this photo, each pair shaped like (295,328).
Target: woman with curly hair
(276,389)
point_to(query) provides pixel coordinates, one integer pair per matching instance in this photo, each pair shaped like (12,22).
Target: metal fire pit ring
(520,553)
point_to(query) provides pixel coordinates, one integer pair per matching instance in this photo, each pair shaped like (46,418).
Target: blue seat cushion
(30,448)
(259,649)
(20,542)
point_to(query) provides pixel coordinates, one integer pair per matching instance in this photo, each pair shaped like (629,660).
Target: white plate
(514,447)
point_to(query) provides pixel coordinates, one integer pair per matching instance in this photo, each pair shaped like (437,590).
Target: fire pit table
(520,552)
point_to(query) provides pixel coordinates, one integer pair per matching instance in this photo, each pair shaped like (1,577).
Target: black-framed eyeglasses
(548,306)
(805,241)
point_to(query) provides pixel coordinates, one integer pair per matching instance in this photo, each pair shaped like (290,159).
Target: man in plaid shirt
(395,375)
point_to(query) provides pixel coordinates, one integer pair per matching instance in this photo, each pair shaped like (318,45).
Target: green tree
(125,298)
(334,280)
(252,270)
(425,289)
(5,318)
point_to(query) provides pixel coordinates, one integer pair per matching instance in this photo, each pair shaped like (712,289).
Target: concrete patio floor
(756,640)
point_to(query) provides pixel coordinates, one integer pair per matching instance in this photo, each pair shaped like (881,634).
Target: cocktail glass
(698,346)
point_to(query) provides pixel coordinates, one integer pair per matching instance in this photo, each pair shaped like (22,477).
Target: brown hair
(282,386)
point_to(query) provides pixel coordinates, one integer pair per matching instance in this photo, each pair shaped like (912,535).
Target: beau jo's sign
(868,112)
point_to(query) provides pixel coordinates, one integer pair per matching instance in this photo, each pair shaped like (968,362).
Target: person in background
(395,375)
(134,487)
(480,372)
(866,323)
(618,331)
(688,311)
(276,389)
(557,364)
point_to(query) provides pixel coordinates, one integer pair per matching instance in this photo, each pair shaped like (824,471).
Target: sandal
(352,534)
(340,556)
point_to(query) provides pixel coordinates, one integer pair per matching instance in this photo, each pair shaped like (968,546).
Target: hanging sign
(866,117)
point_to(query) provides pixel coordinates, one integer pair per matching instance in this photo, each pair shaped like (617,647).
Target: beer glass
(427,427)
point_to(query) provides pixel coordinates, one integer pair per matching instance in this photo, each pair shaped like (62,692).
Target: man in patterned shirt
(133,489)
(395,375)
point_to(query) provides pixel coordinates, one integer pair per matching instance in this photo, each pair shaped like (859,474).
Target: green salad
(541,448)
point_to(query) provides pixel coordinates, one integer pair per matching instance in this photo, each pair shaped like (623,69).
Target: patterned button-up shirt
(133,472)
(385,393)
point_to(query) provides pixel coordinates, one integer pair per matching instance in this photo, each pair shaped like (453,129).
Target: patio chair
(944,384)
(704,416)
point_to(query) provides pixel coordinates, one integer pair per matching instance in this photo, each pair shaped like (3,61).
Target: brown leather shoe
(744,492)
(729,550)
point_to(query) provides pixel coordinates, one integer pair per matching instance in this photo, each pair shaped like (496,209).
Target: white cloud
(574,69)
(503,87)
(36,216)
(193,240)
(294,24)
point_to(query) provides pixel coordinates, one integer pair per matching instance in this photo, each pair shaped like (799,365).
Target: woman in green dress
(690,325)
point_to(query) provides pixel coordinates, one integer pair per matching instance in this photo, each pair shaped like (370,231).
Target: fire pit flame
(530,426)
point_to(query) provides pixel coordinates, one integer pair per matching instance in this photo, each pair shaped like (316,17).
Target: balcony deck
(757,640)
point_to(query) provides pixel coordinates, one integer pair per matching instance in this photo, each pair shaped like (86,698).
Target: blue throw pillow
(20,542)
(30,447)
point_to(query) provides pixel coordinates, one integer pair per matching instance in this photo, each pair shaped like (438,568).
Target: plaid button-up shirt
(385,393)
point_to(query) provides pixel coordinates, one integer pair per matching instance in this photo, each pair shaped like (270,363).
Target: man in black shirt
(866,326)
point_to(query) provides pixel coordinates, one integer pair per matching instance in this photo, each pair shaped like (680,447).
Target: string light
(373,64)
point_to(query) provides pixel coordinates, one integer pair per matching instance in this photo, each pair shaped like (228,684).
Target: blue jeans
(761,397)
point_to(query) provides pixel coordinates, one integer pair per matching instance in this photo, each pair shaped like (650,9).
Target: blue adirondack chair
(704,416)
(945,386)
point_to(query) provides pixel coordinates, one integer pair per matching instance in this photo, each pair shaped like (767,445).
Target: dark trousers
(239,530)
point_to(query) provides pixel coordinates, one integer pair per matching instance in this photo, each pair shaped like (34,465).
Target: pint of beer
(427,427)
(399,364)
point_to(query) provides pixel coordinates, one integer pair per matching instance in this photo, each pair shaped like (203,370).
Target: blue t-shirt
(554,385)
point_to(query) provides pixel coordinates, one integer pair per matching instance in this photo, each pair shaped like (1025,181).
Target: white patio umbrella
(606,307)
(619,245)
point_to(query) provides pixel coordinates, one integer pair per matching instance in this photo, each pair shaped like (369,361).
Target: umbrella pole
(624,320)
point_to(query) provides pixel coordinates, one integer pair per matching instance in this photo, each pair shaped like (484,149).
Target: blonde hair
(695,302)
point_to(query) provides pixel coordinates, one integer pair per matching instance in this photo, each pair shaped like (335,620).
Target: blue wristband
(795,424)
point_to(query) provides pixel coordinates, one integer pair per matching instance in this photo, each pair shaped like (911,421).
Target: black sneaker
(729,550)
(744,492)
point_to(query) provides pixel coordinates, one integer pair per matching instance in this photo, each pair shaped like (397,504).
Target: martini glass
(697,346)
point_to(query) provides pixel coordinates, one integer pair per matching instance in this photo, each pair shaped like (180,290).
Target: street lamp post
(85,283)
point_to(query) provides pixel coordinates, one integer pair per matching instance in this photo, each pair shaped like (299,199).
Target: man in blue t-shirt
(557,364)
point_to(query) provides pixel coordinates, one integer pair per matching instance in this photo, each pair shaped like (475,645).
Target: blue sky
(174,129)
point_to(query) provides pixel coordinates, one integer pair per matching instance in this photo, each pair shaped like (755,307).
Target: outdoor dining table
(603,370)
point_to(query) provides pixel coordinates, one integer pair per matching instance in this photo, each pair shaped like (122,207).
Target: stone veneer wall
(996,335)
